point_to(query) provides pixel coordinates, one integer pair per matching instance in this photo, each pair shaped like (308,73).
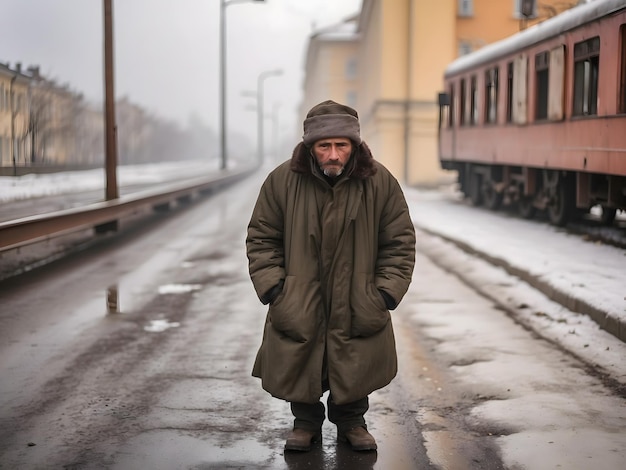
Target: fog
(167,52)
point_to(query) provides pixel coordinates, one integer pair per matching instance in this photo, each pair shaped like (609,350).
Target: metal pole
(12,143)
(407,101)
(110,126)
(259,117)
(260,111)
(223,139)
(223,149)
(275,129)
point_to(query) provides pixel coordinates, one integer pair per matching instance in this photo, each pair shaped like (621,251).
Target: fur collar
(361,165)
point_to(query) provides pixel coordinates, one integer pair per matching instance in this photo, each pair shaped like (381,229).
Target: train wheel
(474,191)
(608,215)
(491,198)
(561,206)
(525,207)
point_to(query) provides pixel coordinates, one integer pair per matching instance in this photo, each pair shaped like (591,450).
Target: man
(331,249)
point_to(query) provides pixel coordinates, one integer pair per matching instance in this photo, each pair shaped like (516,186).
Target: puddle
(178,288)
(158,326)
(182,449)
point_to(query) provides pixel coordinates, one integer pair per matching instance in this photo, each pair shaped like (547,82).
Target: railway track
(589,226)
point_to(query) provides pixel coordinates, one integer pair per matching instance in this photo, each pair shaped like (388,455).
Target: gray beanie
(329,119)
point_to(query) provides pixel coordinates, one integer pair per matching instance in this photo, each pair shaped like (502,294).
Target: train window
(509,92)
(491,95)
(586,67)
(556,83)
(474,101)
(520,90)
(542,75)
(622,93)
(452,108)
(463,102)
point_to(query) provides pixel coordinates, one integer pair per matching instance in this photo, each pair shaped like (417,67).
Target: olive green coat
(334,247)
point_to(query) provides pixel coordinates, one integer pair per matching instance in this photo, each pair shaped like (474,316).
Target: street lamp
(223,5)
(259,89)
(275,128)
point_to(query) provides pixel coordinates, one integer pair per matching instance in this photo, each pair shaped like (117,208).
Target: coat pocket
(296,311)
(368,311)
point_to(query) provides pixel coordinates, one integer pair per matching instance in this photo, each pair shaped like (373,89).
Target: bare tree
(52,122)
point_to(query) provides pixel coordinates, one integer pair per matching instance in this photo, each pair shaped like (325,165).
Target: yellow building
(402,48)
(333,53)
(38,119)
(14,96)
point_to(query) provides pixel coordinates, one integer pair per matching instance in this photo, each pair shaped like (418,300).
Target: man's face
(332,154)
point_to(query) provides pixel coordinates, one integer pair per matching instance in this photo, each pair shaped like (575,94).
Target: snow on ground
(542,408)
(590,272)
(39,185)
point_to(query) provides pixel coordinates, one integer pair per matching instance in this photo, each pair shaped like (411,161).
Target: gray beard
(330,173)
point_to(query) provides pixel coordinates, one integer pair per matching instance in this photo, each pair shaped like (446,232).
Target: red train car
(539,118)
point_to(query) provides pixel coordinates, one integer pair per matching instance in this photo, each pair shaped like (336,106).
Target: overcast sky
(167,51)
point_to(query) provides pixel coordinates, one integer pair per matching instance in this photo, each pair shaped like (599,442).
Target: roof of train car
(559,24)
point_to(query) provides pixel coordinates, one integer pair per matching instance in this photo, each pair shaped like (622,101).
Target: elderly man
(331,249)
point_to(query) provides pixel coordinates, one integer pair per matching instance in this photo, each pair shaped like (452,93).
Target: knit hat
(329,119)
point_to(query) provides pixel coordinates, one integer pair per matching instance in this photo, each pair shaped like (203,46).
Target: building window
(1,148)
(1,96)
(491,95)
(351,68)
(351,99)
(466,8)
(474,101)
(586,67)
(465,48)
(524,8)
(542,80)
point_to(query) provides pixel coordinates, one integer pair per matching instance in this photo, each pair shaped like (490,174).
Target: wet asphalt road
(159,377)
(163,381)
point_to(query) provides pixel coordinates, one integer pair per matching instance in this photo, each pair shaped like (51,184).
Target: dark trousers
(310,416)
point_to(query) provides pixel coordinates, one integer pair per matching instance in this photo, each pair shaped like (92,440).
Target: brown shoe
(359,439)
(301,439)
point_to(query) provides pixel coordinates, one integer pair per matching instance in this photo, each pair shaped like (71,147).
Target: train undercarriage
(563,195)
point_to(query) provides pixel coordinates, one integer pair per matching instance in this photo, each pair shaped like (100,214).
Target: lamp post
(275,128)
(223,5)
(112,191)
(260,81)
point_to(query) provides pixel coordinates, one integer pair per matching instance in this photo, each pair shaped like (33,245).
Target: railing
(104,216)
